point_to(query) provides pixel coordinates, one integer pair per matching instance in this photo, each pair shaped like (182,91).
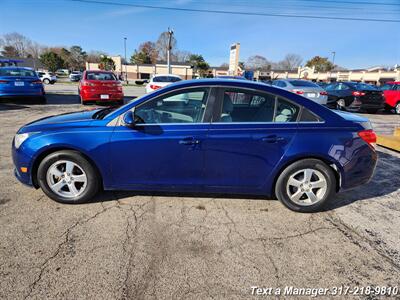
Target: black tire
(372,110)
(397,108)
(281,189)
(93,179)
(120,102)
(46,81)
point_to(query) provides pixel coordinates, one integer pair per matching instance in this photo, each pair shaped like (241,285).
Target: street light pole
(126,62)
(170,33)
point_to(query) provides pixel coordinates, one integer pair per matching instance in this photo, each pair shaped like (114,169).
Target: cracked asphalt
(124,245)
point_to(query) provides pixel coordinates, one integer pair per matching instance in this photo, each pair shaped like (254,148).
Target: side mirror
(129,119)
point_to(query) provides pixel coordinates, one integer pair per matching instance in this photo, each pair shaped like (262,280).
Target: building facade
(146,71)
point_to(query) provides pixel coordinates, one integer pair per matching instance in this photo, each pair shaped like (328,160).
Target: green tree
(199,64)
(9,51)
(106,63)
(321,64)
(52,61)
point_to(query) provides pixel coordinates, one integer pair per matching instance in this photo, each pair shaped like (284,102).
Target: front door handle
(272,139)
(189,141)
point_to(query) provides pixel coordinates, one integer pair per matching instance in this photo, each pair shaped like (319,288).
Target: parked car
(75,76)
(355,96)
(391,91)
(21,82)
(62,72)
(159,81)
(47,77)
(304,88)
(100,86)
(215,136)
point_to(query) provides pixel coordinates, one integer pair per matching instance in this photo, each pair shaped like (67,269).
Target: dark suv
(355,96)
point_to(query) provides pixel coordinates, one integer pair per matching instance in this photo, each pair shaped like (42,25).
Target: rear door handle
(272,139)
(189,141)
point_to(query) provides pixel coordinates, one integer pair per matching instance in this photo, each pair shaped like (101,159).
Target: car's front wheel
(306,185)
(46,81)
(68,177)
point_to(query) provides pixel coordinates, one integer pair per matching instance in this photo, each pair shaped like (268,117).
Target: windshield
(17,72)
(166,79)
(303,83)
(100,76)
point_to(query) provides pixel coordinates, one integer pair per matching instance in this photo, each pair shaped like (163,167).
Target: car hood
(65,120)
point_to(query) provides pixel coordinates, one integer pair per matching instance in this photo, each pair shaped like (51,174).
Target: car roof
(16,68)
(171,75)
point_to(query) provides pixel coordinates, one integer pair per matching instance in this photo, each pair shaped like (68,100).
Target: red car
(391,91)
(100,86)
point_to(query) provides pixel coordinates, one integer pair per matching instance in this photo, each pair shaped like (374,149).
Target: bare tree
(258,62)
(224,65)
(18,41)
(162,45)
(182,56)
(290,62)
(95,56)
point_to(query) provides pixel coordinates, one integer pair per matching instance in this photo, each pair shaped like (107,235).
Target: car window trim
(118,119)
(218,104)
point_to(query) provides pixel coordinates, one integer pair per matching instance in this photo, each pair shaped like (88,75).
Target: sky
(97,26)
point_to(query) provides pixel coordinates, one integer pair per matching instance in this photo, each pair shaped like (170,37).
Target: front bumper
(20,159)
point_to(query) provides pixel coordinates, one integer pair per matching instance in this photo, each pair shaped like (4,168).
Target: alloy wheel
(341,104)
(306,187)
(397,108)
(66,179)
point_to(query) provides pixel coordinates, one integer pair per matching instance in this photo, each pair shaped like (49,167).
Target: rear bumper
(96,96)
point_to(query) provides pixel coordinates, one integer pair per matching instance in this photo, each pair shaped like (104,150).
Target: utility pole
(170,33)
(333,63)
(126,62)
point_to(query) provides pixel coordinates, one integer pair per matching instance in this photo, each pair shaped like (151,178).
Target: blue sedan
(20,82)
(214,136)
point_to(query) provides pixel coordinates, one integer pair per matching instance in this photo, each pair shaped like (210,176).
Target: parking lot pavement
(67,93)
(138,246)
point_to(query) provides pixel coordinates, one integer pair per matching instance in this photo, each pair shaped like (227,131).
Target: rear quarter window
(308,116)
(166,79)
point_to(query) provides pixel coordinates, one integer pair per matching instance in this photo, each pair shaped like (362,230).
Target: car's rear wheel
(306,185)
(341,104)
(46,81)
(397,108)
(68,177)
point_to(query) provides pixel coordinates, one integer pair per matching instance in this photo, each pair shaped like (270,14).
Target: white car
(159,81)
(47,77)
(304,88)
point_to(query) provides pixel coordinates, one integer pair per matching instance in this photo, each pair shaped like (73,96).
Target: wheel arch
(329,162)
(45,153)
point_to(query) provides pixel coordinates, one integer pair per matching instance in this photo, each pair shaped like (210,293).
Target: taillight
(87,83)
(298,92)
(154,87)
(3,81)
(37,82)
(368,136)
(358,94)
(323,93)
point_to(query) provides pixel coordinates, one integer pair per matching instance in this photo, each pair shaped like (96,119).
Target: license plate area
(19,83)
(104,97)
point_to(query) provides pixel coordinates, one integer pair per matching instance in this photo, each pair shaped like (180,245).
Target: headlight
(20,138)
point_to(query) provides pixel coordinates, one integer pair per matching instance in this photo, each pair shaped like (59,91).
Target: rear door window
(166,79)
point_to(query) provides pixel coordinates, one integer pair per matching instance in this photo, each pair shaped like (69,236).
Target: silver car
(304,88)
